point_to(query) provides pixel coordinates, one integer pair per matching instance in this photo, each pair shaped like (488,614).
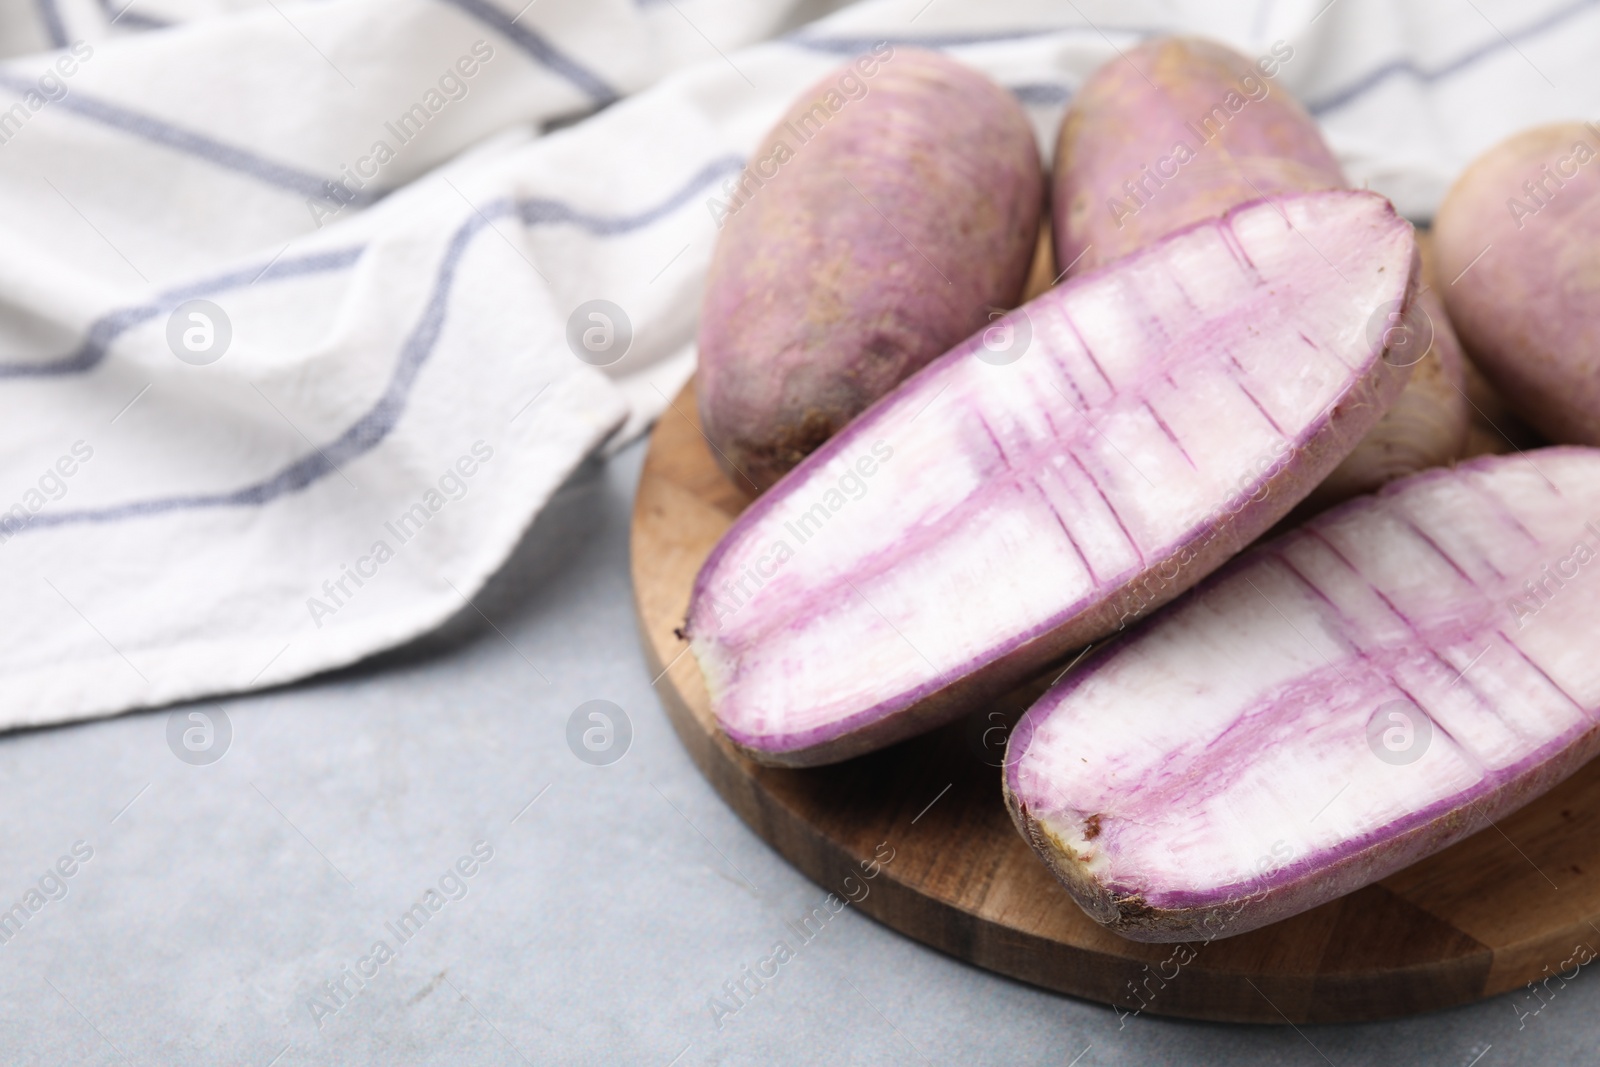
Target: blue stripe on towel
(855,45)
(1042,94)
(1406,68)
(539,212)
(193,143)
(50,15)
(535,44)
(243,160)
(112,325)
(380,420)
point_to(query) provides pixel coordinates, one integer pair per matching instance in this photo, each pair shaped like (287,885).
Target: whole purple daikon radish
(1180,129)
(1519,238)
(891,212)
(1176,130)
(1332,706)
(1083,460)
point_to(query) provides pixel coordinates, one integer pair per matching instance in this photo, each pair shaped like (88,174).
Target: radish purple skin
(877,245)
(1430,422)
(1131,114)
(804,666)
(1158,844)
(1133,111)
(1525,294)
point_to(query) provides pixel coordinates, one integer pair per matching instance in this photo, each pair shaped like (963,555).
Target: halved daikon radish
(1333,706)
(1082,461)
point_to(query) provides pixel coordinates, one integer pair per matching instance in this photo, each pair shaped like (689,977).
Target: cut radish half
(1082,461)
(1332,706)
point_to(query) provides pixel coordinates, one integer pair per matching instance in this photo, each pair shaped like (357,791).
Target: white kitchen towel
(306,309)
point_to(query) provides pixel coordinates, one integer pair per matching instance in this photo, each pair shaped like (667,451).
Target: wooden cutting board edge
(683,504)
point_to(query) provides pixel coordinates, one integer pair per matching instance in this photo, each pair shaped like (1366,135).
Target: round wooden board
(1510,905)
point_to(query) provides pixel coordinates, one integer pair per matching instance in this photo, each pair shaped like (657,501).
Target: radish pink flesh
(1168,410)
(1259,749)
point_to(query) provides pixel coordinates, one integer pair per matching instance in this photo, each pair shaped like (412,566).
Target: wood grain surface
(1518,902)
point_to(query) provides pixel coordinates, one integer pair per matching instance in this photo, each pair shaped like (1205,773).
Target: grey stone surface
(220,897)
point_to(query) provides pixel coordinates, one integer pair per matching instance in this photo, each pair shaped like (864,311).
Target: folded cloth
(306,309)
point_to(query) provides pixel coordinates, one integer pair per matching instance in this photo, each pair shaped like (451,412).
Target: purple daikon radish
(1334,705)
(1082,461)
(1177,129)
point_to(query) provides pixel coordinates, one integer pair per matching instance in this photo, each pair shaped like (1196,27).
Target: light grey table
(220,900)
